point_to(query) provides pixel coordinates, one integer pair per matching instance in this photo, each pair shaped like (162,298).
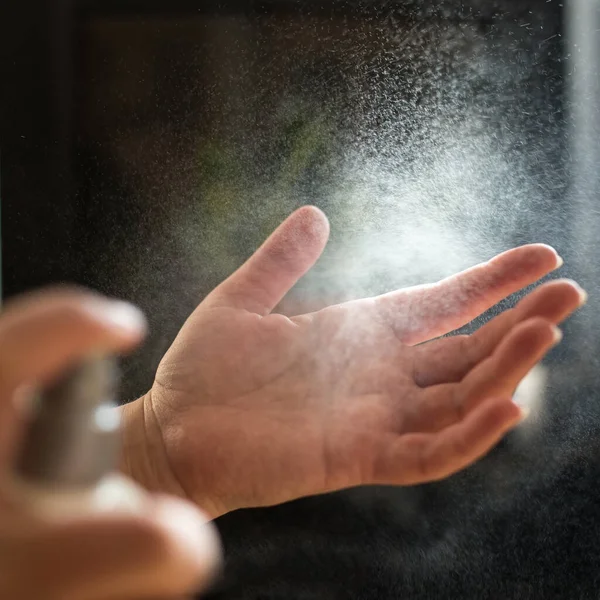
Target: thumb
(169,550)
(289,252)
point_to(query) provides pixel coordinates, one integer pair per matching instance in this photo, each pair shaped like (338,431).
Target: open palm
(254,408)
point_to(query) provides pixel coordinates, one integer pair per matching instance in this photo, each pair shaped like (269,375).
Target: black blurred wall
(474,536)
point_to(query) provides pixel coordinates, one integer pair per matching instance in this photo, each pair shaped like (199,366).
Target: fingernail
(120,315)
(559,261)
(583,295)
(557,335)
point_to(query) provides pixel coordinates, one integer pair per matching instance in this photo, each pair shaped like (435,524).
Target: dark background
(523,523)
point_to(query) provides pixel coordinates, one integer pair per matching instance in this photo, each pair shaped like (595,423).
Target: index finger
(425,312)
(45,332)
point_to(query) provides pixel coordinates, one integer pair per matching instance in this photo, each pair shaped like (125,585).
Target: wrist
(144,457)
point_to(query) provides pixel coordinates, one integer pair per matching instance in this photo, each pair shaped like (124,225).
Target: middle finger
(450,359)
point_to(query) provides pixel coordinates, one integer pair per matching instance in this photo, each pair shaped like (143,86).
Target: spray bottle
(67,462)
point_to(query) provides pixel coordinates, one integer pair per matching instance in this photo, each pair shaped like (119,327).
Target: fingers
(43,333)
(426,312)
(449,360)
(294,247)
(421,457)
(498,375)
(40,334)
(169,551)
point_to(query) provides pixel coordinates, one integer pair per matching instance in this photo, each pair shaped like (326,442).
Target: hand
(251,408)
(165,549)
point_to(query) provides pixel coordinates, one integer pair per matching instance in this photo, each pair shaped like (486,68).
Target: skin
(251,408)
(167,549)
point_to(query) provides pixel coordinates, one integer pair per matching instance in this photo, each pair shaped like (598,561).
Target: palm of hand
(258,409)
